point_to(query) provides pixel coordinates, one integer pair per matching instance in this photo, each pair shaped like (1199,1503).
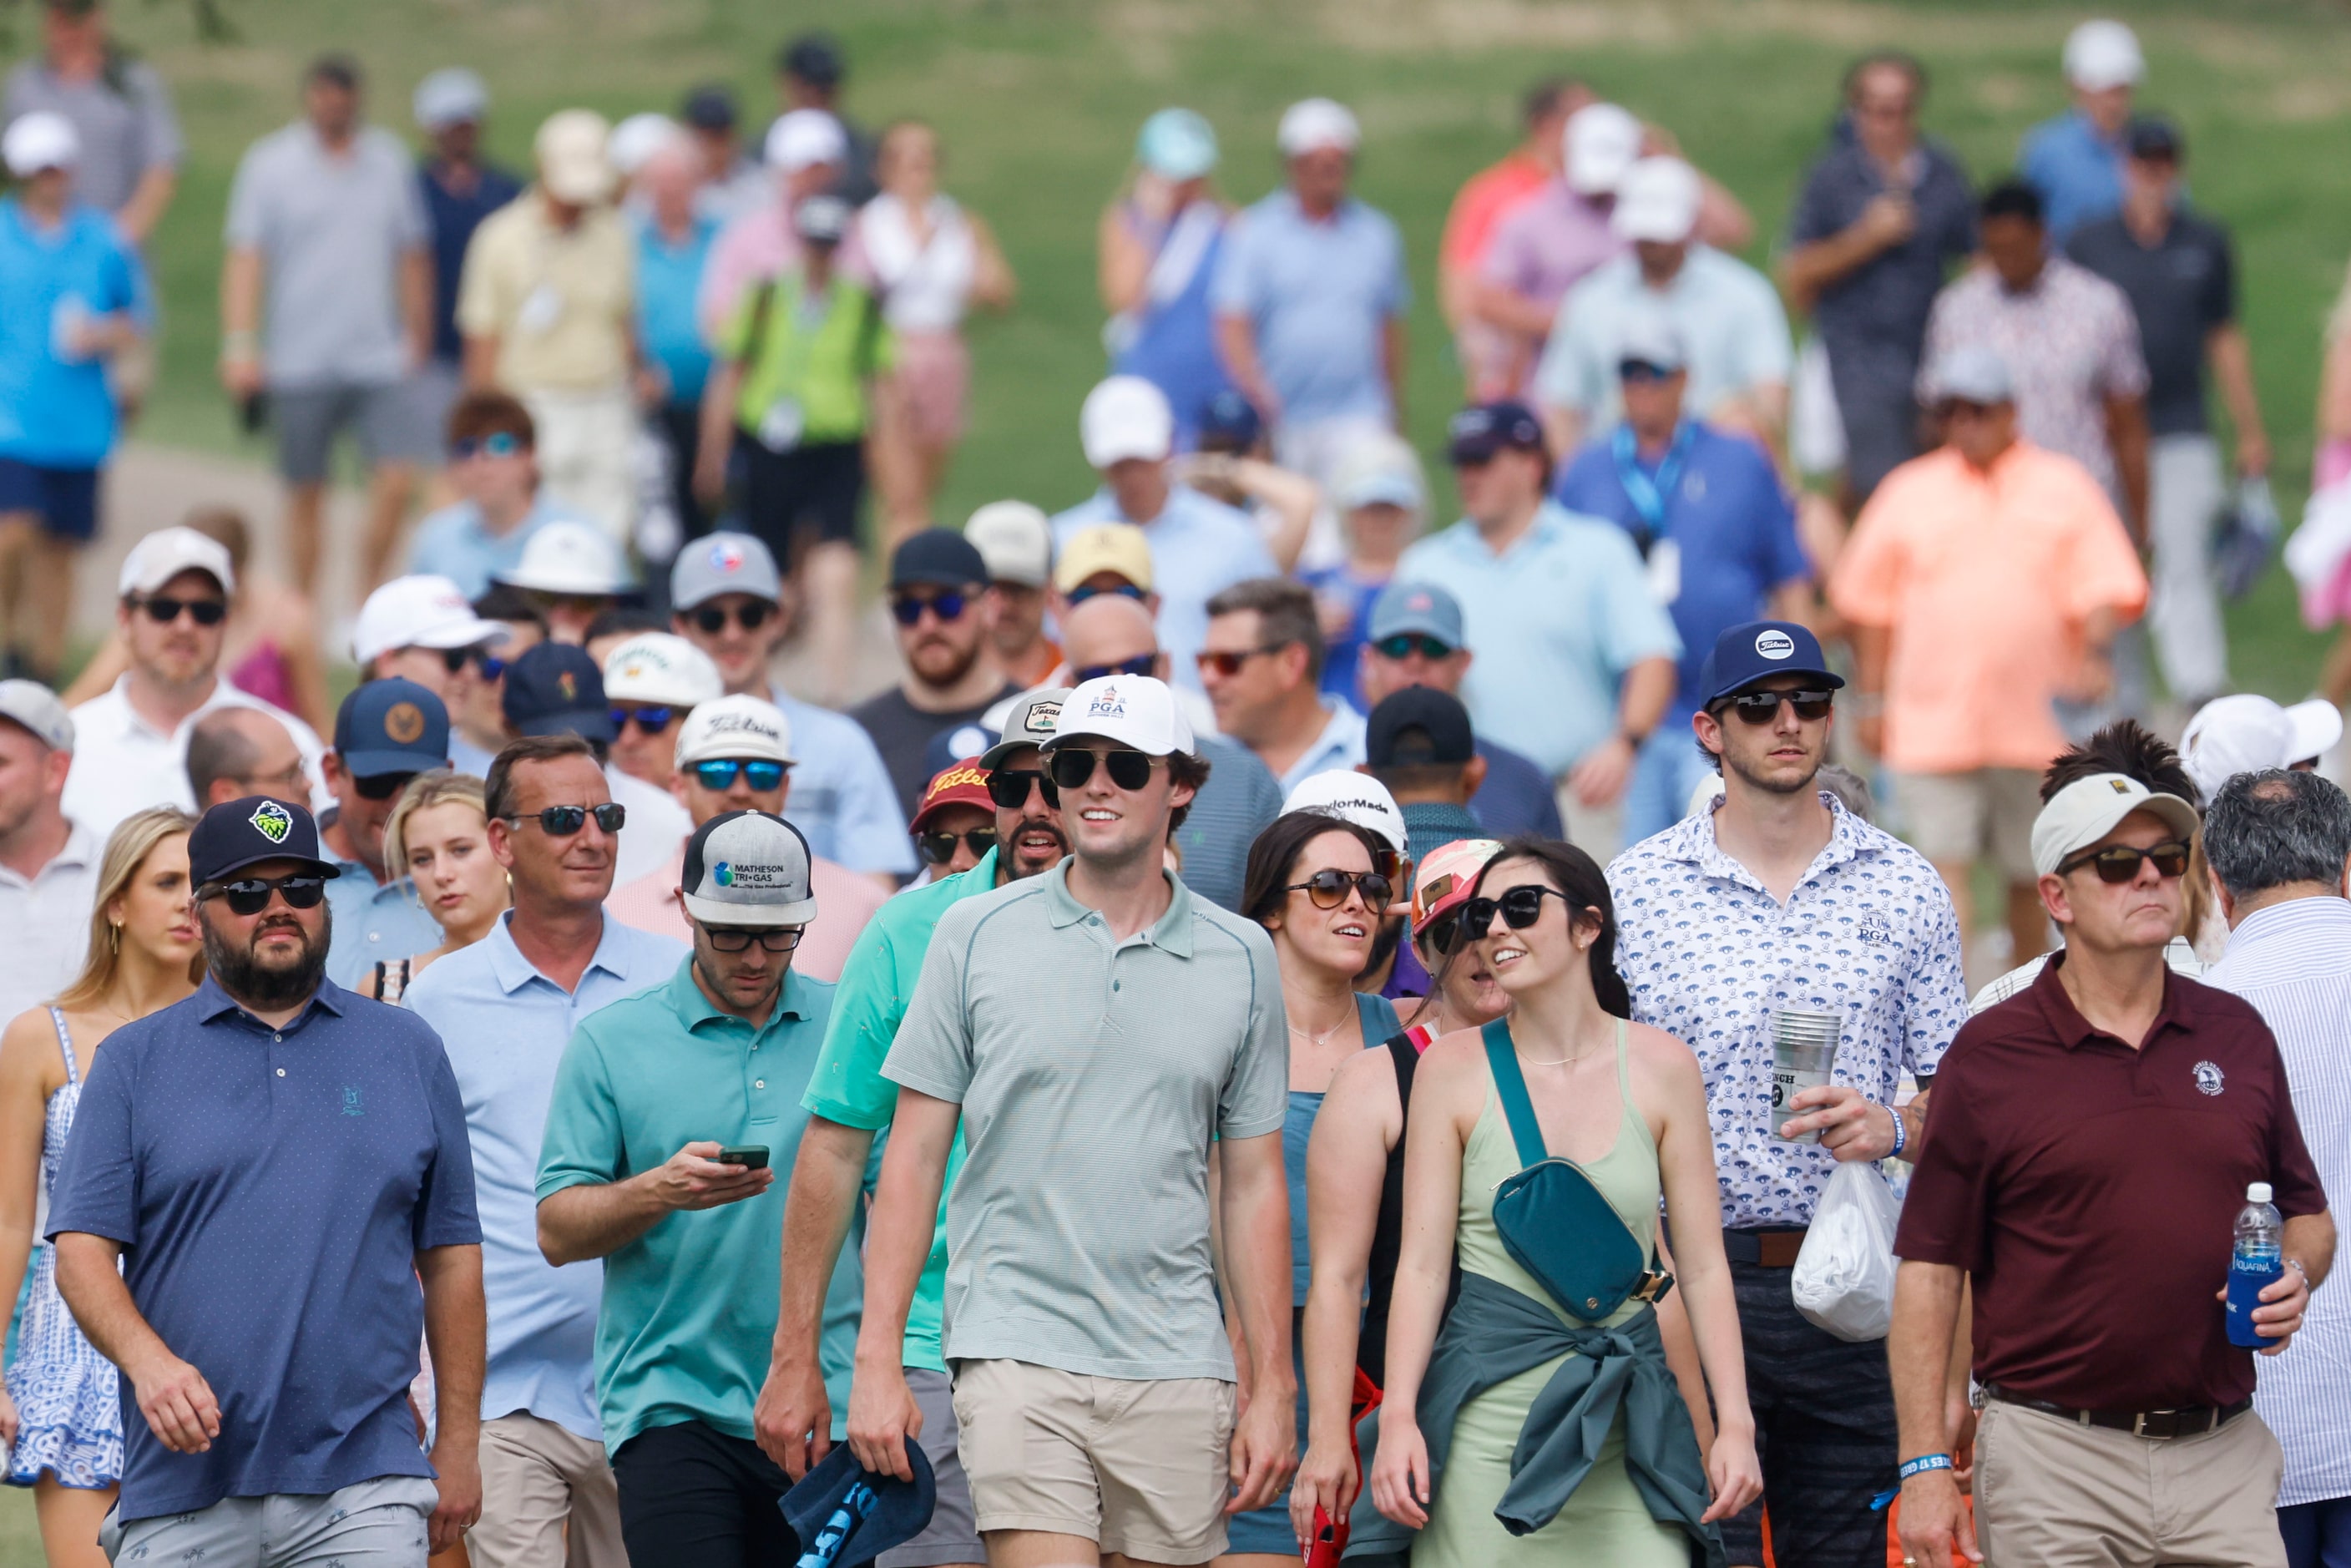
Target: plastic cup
(1804,1051)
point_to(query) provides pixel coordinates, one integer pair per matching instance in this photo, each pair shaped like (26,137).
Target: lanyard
(1648,495)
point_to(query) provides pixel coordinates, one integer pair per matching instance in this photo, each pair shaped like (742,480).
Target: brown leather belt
(1775,1248)
(2191,1421)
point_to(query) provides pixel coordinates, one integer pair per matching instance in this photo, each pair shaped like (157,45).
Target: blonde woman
(439,835)
(61,1413)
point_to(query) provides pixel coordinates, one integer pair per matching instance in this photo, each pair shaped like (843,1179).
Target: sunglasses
(562,821)
(455,659)
(720,772)
(1008,788)
(649,720)
(497,444)
(1520,907)
(712,618)
(1229,664)
(163,609)
(1404,645)
(1328,888)
(908,608)
(739,939)
(2119,862)
(1078,595)
(250,895)
(1141,665)
(1070,770)
(938,849)
(1641,372)
(1762,707)
(380,786)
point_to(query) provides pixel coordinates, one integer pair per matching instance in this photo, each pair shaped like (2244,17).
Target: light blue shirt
(1199,547)
(1555,621)
(2078,173)
(454,543)
(669,280)
(505,1027)
(58,412)
(1726,315)
(841,799)
(1318,295)
(1339,746)
(374,924)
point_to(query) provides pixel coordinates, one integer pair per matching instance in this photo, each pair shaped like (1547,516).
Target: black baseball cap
(2153,137)
(236,834)
(1417,727)
(556,688)
(1505,426)
(858,1513)
(937,557)
(815,59)
(1758,650)
(709,107)
(392,726)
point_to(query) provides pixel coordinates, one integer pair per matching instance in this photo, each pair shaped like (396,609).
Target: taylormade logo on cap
(272,821)
(1775,644)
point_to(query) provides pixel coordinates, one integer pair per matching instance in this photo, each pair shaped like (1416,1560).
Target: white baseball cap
(661,667)
(1380,469)
(451,95)
(738,727)
(747,868)
(36,708)
(1602,142)
(1016,540)
(1658,201)
(803,138)
(41,139)
(566,556)
(1134,710)
(2247,733)
(166,553)
(570,147)
(1316,123)
(635,140)
(418,611)
(1125,417)
(2317,729)
(2103,54)
(2088,810)
(1353,797)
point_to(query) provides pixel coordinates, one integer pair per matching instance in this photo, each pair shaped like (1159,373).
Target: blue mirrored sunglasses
(719,772)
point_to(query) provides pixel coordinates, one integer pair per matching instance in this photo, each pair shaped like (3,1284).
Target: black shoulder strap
(1405,1052)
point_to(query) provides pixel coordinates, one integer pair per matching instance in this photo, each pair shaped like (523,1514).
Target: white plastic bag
(1844,1278)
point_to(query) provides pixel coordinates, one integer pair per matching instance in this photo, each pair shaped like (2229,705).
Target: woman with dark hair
(1541,1145)
(1312,884)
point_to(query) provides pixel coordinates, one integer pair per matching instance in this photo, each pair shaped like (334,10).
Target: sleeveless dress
(1606,1524)
(925,285)
(69,1411)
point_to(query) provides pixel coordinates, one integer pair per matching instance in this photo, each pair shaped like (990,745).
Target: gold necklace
(1568,1060)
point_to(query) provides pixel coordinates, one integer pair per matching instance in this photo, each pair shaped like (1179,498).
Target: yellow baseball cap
(1116,547)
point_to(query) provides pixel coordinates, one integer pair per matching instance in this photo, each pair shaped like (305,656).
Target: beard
(268,986)
(1014,864)
(1770,783)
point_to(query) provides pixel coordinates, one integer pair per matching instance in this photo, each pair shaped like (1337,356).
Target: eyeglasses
(938,849)
(1404,645)
(1520,907)
(562,821)
(2119,862)
(380,786)
(1762,707)
(1328,888)
(250,895)
(750,616)
(497,444)
(720,772)
(739,939)
(1229,664)
(1141,665)
(908,608)
(1079,594)
(163,609)
(1070,770)
(1641,372)
(649,720)
(1008,788)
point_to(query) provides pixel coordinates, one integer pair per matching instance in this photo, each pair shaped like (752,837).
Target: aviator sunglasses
(1328,888)
(1070,770)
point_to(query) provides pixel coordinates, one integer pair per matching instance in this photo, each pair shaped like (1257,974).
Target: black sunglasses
(1328,888)
(763,774)
(562,821)
(649,720)
(250,895)
(1404,645)
(497,444)
(1069,768)
(1520,907)
(750,616)
(1008,788)
(380,786)
(739,939)
(2119,862)
(1080,593)
(1762,707)
(1141,665)
(163,609)
(908,608)
(938,849)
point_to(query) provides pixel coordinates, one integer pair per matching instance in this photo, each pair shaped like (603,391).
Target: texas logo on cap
(727,556)
(272,821)
(1775,644)
(1041,718)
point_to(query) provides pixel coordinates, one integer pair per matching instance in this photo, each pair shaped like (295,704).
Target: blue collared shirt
(271,1188)
(1729,316)
(2078,173)
(1339,747)
(1555,621)
(506,1025)
(374,922)
(1318,294)
(454,543)
(1708,954)
(1199,547)
(841,797)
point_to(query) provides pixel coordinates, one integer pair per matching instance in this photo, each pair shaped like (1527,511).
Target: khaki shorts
(1985,813)
(1137,1467)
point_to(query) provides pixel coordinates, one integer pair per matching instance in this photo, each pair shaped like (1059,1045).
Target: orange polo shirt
(1985,579)
(1481,205)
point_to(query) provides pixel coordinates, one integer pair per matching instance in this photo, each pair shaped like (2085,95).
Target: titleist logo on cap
(724,723)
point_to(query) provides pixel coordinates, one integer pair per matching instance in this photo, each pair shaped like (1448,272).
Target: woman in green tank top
(1627,1105)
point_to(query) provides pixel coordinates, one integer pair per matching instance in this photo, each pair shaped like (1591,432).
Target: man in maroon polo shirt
(2089,1146)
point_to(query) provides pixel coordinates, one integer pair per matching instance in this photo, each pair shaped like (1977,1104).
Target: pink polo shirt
(760,244)
(844,903)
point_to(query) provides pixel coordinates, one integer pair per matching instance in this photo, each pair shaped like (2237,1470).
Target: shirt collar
(513,971)
(1172,931)
(213,1003)
(2072,1029)
(1550,519)
(1693,840)
(2281,922)
(694,1009)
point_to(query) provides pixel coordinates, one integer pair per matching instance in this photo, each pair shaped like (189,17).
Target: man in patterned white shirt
(1781,899)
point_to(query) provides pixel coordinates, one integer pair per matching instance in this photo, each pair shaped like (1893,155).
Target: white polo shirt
(45,923)
(123,764)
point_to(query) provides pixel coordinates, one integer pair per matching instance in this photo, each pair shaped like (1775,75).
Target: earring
(114,936)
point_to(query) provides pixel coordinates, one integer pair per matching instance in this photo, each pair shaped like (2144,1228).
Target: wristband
(1901,1133)
(1925,1462)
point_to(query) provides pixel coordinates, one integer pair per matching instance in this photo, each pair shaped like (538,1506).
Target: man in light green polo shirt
(652,1090)
(849,1102)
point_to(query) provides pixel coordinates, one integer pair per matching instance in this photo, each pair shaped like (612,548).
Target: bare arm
(1123,264)
(293,627)
(31,1071)
(416,286)
(171,1395)
(1346,1163)
(1255,1209)
(993,286)
(1601,774)
(1237,346)
(2127,437)
(138,216)
(596,1219)
(2232,359)
(883,1417)
(1292,496)
(1885,222)
(794,1417)
(457,1332)
(106,666)
(718,397)
(481,361)
(1501,306)
(1919,1352)
(1723,220)
(1393,342)
(240,308)
(2310,1240)
(1869,658)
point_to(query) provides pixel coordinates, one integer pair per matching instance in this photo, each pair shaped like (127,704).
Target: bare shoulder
(1661,1060)
(1452,1074)
(1364,1087)
(28,1050)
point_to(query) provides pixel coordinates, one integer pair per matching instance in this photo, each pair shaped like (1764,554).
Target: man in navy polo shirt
(274,1164)
(1718,535)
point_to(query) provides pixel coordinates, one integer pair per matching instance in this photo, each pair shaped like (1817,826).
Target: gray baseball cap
(724,563)
(747,868)
(1030,721)
(36,708)
(1974,373)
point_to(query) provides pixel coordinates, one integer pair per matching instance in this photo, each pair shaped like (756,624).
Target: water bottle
(2256,1261)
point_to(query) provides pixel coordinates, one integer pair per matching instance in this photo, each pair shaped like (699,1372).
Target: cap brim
(327,868)
(2317,728)
(2176,813)
(463,634)
(761,916)
(376,764)
(589,724)
(1828,678)
(996,755)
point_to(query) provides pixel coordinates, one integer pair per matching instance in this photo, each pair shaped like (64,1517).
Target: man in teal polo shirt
(653,1091)
(849,1102)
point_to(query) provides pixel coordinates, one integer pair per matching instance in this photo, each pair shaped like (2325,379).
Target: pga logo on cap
(1775,644)
(1107,703)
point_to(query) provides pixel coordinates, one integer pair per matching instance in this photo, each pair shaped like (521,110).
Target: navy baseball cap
(1229,424)
(1479,433)
(392,726)
(1418,727)
(842,1512)
(1758,650)
(236,834)
(556,688)
(1414,609)
(937,557)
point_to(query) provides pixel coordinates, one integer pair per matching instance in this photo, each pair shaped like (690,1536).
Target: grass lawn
(1039,102)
